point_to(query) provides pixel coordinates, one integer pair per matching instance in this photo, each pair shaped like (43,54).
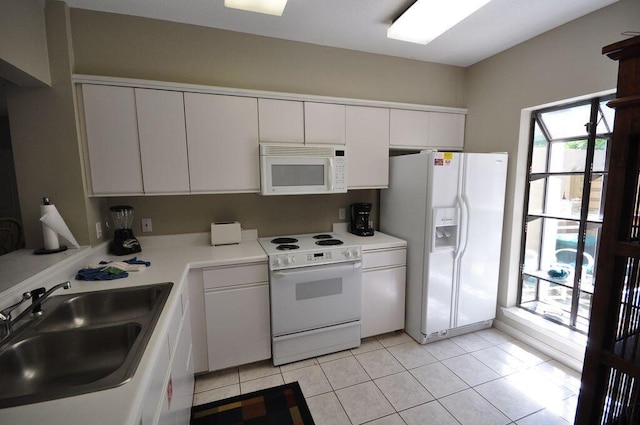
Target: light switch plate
(342,213)
(98,230)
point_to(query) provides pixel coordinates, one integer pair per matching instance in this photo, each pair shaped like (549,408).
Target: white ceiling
(362,24)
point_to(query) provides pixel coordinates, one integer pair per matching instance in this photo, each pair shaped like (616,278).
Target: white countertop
(171,258)
(377,241)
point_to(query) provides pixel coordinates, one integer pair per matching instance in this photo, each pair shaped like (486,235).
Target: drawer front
(384,258)
(220,277)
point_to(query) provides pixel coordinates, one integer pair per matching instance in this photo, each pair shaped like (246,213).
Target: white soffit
(362,24)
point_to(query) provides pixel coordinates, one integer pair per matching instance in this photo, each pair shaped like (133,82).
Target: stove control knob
(347,254)
(286,261)
(276,262)
(354,252)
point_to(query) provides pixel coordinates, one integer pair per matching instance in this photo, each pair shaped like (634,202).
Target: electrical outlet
(342,213)
(98,230)
(146,225)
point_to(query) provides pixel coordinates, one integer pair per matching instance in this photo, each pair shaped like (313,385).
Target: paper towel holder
(48,233)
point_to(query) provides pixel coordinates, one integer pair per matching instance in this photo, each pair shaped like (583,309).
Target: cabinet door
(446,130)
(383,298)
(238,327)
(222,137)
(409,129)
(112,140)
(281,121)
(367,147)
(163,141)
(324,123)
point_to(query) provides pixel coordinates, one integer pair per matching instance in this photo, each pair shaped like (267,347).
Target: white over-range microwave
(295,169)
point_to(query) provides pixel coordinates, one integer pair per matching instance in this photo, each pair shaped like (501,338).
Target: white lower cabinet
(383,291)
(170,393)
(237,315)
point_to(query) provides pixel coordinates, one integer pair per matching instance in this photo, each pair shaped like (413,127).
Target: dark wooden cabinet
(610,391)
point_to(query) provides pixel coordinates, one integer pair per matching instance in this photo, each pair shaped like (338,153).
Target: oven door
(312,297)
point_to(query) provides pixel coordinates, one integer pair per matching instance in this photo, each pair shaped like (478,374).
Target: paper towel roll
(52,226)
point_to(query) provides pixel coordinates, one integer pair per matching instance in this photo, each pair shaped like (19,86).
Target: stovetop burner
(287,247)
(279,241)
(322,236)
(325,242)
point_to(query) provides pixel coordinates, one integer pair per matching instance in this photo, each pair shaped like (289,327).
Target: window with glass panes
(568,166)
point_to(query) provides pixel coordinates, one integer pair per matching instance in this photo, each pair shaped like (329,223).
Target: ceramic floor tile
(261,383)
(494,336)
(298,365)
(344,372)
(471,342)
(379,363)
(560,374)
(327,410)
(538,386)
(403,390)
(443,349)
(368,344)
(394,419)
(311,379)
(216,379)
(257,370)
(470,370)
(393,338)
(364,402)
(411,355)
(510,400)
(543,417)
(335,356)
(429,413)
(528,355)
(216,394)
(499,360)
(469,408)
(438,379)
(565,409)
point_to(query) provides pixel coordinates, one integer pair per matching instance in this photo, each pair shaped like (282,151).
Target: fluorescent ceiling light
(269,7)
(427,19)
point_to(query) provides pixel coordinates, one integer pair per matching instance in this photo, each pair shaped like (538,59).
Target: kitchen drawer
(236,275)
(384,258)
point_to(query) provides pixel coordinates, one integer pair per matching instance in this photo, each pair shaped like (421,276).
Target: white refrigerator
(449,207)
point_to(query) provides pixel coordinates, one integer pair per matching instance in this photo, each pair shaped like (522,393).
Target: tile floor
(481,378)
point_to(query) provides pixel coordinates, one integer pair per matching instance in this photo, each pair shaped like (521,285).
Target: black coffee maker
(124,242)
(360,213)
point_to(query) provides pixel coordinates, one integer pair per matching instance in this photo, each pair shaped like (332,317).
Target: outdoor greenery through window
(568,168)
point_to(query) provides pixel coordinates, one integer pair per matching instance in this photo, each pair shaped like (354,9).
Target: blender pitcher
(124,242)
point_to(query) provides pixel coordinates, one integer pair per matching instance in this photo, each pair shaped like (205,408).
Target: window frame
(584,221)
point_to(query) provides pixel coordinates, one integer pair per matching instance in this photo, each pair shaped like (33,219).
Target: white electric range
(315,285)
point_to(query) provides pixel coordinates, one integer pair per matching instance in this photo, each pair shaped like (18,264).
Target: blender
(124,242)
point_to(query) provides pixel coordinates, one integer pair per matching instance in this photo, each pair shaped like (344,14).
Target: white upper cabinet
(367,136)
(222,137)
(446,131)
(281,121)
(426,130)
(112,140)
(324,123)
(163,142)
(409,128)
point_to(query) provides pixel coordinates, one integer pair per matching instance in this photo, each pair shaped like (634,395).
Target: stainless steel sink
(83,343)
(86,309)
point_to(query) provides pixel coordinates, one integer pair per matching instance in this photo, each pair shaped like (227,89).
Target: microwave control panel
(340,174)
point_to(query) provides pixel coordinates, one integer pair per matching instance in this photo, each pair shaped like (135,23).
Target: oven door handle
(306,270)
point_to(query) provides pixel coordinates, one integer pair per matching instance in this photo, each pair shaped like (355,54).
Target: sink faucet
(37,297)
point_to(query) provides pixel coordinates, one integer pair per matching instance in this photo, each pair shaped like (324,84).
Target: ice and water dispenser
(445,229)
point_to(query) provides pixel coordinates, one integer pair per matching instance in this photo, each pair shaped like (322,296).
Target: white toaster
(225,233)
